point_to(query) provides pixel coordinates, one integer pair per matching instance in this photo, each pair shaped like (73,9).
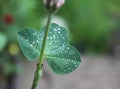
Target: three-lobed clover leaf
(62,58)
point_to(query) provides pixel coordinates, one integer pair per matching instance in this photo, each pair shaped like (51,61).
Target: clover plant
(50,43)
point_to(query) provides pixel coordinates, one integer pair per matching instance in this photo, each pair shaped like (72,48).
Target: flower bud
(53,5)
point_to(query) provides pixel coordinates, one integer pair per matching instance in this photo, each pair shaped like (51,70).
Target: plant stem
(38,72)
(44,41)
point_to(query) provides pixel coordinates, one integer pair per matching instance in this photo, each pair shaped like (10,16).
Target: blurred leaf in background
(14,14)
(90,22)
(3,41)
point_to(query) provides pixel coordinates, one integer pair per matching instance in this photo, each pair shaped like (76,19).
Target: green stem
(44,41)
(38,72)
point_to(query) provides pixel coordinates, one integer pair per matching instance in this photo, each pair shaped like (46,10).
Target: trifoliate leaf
(61,57)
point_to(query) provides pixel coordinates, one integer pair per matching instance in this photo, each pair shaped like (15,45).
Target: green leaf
(65,59)
(56,35)
(30,43)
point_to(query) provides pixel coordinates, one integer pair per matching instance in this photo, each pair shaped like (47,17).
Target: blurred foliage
(3,41)
(90,21)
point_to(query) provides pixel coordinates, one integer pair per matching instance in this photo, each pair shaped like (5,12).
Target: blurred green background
(90,22)
(94,26)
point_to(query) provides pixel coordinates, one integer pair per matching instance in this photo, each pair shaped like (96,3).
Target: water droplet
(76,65)
(66,63)
(50,32)
(33,42)
(59,32)
(37,41)
(69,68)
(50,43)
(55,41)
(72,61)
(31,45)
(55,29)
(56,46)
(35,33)
(58,28)
(49,47)
(38,36)
(54,36)
(50,37)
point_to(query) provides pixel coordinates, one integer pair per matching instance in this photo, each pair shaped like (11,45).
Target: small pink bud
(60,3)
(53,5)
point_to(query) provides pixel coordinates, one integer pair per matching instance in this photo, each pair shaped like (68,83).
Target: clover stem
(38,72)
(44,42)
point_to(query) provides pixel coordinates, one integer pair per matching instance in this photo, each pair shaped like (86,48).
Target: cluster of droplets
(67,59)
(31,39)
(56,36)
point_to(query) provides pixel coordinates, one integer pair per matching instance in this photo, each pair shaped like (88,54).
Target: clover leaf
(30,43)
(62,58)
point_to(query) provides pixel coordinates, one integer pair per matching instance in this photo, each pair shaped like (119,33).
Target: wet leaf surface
(65,60)
(62,58)
(30,43)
